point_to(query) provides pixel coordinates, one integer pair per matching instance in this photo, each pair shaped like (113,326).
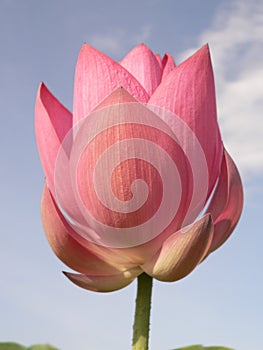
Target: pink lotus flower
(130,171)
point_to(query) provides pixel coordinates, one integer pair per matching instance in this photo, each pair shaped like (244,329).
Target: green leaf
(42,347)
(200,347)
(217,348)
(11,346)
(193,347)
(15,346)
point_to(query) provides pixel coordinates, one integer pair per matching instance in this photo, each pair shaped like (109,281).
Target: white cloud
(143,35)
(107,43)
(235,39)
(119,41)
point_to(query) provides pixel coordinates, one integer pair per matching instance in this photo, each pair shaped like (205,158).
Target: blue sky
(221,301)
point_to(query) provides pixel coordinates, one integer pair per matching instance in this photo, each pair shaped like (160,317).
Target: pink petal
(159,59)
(96,77)
(107,283)
(144,66)
(181,252)
(87,257)
(65,187)
(114,148)
(120,95)
(168,65)
(227,202)
(52,122)
(189,93)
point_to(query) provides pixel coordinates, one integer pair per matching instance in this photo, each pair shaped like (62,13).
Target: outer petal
(119,258)
(132,143)
(96,77)
(52,122)
(144,66)
(189,92)
(159,59)
(181,252)
(227,202)
(60,235)
(107,283)
(168,65)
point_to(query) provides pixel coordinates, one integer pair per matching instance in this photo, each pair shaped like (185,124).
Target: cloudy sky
(221,301)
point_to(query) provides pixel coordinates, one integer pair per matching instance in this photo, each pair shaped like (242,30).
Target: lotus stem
(141,326)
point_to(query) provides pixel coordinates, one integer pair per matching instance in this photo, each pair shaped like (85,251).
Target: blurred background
(221,301)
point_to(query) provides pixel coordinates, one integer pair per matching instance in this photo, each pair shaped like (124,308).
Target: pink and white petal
(52,123)
(143,65)
(96,77)
(144,218)
(181,252)
(189,92)
(227,202)
(120,95)
(85,258)
(65,194)
(168,65)
(107,283)
(159,59)
(58,230)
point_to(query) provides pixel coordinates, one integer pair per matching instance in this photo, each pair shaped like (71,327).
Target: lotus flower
(130,171)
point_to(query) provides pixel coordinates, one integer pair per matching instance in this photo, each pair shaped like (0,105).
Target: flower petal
(130,143)
(120,95)
(189,93)
(52,122)
(159,59)
(227,202)
(96,77)
(168,65)
(107,283)
(86,258)
(144,66)
(181,252)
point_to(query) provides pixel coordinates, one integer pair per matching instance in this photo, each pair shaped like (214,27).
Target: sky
(220,302)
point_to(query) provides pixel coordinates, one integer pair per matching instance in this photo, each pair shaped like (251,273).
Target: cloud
(143,35)
(119,41)
(235,39)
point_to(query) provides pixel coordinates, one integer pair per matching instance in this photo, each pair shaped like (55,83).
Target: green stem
(141,324)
